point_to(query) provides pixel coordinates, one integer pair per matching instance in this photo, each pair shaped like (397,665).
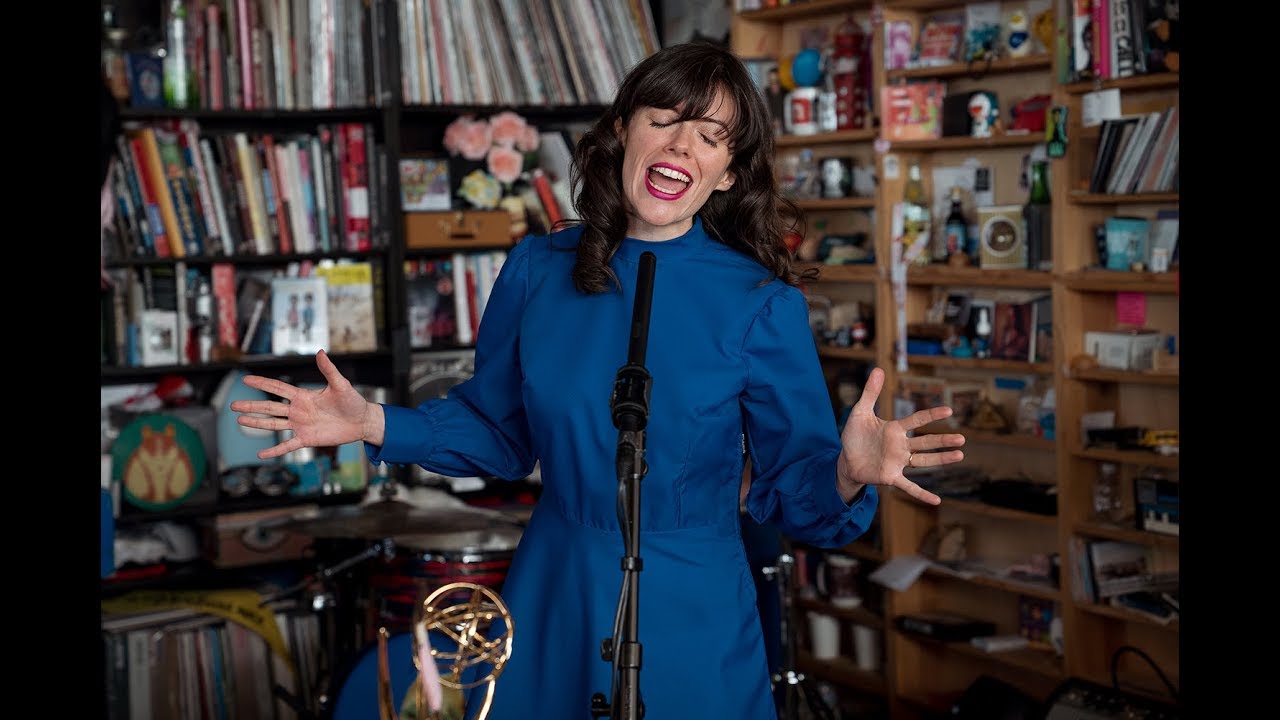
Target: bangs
(693,96)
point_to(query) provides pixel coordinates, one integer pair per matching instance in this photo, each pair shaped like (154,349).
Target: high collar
(692,241)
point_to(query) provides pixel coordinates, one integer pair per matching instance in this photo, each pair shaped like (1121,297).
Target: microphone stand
(630,409)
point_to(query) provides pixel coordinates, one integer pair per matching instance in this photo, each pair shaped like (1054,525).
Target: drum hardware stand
(325,603)
(793,684)
(629,406)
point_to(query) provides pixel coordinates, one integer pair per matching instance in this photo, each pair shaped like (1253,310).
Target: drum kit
(404,568)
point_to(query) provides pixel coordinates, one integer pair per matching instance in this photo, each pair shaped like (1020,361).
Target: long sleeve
(481,427)
(791,432)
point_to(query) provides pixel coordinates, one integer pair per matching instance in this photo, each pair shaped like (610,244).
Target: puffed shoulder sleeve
(481,427)
(791,431)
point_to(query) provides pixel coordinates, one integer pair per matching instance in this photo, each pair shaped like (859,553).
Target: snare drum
(423,563)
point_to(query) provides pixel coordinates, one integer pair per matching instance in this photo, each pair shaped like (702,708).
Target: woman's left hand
(876,452)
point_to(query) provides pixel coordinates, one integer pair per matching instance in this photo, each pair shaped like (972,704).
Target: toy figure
(984,111)
(1019,36)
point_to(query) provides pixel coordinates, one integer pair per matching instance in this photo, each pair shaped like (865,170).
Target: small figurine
(984,111)
(1019,36)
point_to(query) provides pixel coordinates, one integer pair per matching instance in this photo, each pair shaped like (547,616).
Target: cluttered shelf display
(258,216)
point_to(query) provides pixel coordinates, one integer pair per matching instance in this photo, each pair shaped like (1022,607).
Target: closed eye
(708,140)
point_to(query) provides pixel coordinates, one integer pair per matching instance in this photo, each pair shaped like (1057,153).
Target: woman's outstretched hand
(335,415)
(875,451)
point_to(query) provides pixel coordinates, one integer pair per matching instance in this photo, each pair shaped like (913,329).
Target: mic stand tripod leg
(795,686)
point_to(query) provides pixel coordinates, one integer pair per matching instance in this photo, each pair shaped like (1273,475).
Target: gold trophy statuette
(466,624)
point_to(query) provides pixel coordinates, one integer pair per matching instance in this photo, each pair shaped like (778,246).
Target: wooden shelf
(945,275)
(803,10)
(1126,615)
(1035,659)
(986,437)
(859,615)
(995,511)
(831,352)
(273,259)
(1129,457)
(841,671)
(968,143)
(827,138)
(1130,377)
(973,70)
(247,362)
(1111,531)
(1083,198)
(853,203)
(1045,592)
(1099,280)
(980,364)
(854,272)
(1152,81)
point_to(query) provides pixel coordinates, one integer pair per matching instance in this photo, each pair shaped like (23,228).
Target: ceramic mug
(837,579)
(801,116)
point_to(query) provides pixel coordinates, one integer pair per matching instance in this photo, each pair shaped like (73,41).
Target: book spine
(278,198)
(356,187)
(133,178)
(223,280)
(188,138)
(543,187)
(214,178)
(160,189)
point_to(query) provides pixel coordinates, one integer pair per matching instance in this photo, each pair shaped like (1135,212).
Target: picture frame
(425,184)
(299,315)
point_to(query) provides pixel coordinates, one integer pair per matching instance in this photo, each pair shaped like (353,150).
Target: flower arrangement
(506,144)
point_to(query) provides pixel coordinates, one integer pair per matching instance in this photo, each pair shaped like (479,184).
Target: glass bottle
(113,64)
(955,230)
(1036,214)
(179,72)
(915,214)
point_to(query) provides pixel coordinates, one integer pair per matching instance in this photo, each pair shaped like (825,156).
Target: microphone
(630,401)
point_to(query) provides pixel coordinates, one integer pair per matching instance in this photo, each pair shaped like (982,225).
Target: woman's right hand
(334,415)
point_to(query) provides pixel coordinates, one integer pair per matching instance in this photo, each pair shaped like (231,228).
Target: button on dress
(729,357)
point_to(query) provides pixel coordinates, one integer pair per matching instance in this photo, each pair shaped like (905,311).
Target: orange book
(156,174)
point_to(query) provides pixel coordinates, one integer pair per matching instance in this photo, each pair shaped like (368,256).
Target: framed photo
(424,184)
(299,315)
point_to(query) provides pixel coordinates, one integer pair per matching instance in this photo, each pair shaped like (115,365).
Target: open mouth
(667,182)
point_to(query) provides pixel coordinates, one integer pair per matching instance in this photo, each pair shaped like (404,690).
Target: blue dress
(728,357)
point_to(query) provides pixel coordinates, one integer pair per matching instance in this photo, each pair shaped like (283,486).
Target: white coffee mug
(801,116)
(866,648)
(824,636)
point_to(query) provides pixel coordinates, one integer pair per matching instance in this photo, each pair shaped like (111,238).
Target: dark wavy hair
(752,216)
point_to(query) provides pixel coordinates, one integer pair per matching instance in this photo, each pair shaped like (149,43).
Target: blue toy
(806,68)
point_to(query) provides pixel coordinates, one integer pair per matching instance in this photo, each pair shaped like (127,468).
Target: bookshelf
(378,49)
(922,678)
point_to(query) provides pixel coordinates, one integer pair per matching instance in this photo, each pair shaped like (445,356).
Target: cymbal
(388,518)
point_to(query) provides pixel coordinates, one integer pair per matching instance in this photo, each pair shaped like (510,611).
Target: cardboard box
(1123,350)
(253,538)
(457,229)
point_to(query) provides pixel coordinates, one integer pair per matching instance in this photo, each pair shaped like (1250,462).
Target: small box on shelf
(1123,350)
(457,229)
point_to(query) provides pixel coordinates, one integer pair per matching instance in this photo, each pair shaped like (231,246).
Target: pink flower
(505,164)
(529,139)
(468,137)
(507,127)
